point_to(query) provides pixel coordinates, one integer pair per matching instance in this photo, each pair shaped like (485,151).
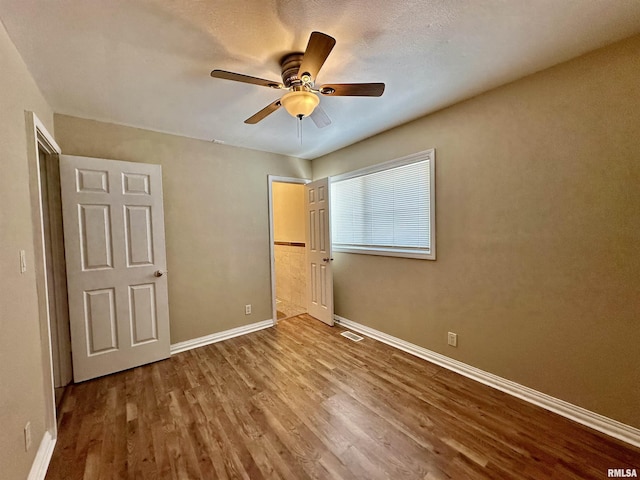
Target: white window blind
(386,209)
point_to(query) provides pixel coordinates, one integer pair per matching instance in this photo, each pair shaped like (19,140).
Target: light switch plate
(27,436)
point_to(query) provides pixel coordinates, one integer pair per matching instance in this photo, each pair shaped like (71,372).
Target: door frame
(39,138)
(272,260)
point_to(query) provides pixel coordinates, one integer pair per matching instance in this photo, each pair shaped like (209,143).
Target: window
(386,209)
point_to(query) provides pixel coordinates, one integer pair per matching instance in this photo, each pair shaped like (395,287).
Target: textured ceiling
(146,63)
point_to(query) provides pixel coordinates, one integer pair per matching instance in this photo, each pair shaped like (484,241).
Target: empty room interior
(216,265)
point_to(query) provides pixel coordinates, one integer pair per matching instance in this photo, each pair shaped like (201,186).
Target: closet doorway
(55,271)
(288,242)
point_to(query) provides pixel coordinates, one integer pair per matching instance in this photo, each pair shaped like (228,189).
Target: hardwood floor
(299,401)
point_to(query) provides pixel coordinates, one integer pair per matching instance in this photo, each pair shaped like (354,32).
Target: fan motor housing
(290,64)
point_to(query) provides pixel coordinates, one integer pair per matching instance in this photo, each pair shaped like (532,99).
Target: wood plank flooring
(298,402)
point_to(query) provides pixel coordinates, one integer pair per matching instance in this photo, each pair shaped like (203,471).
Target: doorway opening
(288,247)
(55,271)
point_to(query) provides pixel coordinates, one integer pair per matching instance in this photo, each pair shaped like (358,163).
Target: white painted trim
(44,137)
(272,255)
(598,422)
(220,336)
(43,457)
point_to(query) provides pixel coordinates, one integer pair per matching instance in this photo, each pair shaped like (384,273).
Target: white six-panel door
(116,267)
(319,271)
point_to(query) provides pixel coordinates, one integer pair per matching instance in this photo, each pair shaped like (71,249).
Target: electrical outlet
(247,309)
(452,339)
(27,436)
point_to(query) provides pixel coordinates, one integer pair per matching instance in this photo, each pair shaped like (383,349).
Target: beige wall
(21,381)
(288,212)
(216,219)
(538,230)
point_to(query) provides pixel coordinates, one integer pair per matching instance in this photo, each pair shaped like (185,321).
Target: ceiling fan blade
(353,89)
(320,117)
(238,77)
(269,109)
(318,49)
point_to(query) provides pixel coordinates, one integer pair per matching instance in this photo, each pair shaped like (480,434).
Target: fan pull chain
(300,128)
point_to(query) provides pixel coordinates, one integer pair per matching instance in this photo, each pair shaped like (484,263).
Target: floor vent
(352,336)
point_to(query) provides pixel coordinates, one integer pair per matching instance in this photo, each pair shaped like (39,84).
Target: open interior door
(116,267)
(319,271)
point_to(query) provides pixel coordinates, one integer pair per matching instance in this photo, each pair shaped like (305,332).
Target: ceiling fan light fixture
(300,103)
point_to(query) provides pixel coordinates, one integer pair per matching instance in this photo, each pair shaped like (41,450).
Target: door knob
(327,260)
(158,273)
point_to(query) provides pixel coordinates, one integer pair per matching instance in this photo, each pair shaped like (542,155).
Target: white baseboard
(218,337)
(598,422)
(43,457)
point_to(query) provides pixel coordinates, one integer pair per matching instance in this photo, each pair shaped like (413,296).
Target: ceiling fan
(299,71)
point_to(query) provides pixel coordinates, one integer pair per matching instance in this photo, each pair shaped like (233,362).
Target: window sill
(395,252)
